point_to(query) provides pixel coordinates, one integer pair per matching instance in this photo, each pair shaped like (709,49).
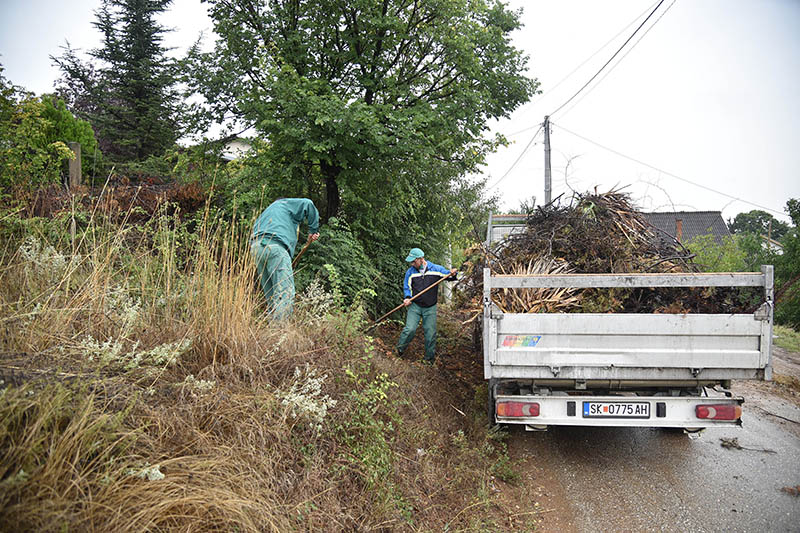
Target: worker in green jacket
(273,242)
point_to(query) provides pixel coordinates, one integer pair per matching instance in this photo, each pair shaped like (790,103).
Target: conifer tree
(126,91)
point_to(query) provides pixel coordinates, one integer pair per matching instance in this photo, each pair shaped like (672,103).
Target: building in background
(685,225)
(235,148)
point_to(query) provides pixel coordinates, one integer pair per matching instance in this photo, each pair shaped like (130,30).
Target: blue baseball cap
(415,253)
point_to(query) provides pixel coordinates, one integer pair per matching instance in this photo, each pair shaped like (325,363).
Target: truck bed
(615,369)
(586,346)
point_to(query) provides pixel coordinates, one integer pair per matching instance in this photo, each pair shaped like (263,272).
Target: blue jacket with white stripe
(417,281)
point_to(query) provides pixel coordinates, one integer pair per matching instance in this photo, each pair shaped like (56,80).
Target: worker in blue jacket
(420,275)
(273,242)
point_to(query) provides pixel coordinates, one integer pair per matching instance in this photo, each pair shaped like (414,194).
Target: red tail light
(718,412)
(517,409)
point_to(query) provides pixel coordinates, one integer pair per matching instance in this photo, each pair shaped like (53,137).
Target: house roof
(685,225)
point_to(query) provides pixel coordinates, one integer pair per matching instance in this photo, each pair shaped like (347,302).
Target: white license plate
(616,409)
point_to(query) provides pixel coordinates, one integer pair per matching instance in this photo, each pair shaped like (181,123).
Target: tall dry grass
(145,389)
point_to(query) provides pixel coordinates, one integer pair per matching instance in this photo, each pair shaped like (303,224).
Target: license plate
(616,409)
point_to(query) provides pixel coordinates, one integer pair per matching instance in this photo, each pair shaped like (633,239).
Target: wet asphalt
(642,479)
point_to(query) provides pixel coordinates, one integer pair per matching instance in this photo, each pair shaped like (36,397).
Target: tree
(33,136)
(65,127)
(760,223)
(787,271)
(128,95)
(712,257)
(6,97)
(370,99)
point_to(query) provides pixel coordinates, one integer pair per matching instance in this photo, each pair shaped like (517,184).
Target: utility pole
(547,179)
(74,166)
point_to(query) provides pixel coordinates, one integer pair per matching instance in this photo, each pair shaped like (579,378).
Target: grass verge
(145,388)
(787,338)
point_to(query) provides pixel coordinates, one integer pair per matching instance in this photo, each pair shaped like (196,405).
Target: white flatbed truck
(620,369)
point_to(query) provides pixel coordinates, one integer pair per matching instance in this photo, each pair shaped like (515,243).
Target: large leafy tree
(760,223)
(385,104)
(127,90)
(787,271)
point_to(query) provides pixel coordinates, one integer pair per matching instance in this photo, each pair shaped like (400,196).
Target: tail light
(718,412)
(517,409)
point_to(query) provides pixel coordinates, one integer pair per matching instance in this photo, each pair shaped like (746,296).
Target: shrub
(352,270)
(33,136)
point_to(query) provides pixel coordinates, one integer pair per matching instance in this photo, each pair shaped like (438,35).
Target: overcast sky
(706,102)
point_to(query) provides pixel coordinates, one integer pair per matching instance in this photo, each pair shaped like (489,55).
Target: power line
(609,61)
(518,158)
(621,59)
(550,91)
(670,174)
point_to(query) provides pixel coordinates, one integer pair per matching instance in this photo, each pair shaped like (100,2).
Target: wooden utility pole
(74,166)
(548,189)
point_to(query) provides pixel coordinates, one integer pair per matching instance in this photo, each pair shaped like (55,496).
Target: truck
(620,369)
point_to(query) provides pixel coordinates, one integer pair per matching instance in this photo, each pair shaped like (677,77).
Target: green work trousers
(414,315)
(274,268)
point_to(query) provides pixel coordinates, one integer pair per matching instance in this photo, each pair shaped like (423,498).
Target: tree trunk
(330,172)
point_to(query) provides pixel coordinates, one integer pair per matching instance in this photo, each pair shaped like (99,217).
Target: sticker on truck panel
(519,341)
(616,409)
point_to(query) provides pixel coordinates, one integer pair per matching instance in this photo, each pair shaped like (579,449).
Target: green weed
(787,338)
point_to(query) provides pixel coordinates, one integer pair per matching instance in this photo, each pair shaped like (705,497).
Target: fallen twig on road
(777,416)
(733,443)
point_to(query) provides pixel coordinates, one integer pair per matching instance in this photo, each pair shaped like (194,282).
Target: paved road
(619,479)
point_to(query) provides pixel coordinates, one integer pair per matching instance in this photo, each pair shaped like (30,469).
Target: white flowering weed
(105,352)
(314,304)
(42,260)
(124,309)
(150,473)
(167,354)
(199,385)
(305,399)
(112,351)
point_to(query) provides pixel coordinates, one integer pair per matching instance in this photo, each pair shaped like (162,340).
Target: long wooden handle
(294,262)
(403,304)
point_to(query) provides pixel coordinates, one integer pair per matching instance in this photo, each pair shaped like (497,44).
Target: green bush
(353,271)
(33,136)
(65,127)
(737,253)
(28,160)
(787,272)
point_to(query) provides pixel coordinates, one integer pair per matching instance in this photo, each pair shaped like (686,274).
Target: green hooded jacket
(281,219)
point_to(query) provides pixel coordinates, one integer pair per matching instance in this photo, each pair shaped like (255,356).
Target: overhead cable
(609,61)
(628,51)
(670,174)
(554,87)
(496,183)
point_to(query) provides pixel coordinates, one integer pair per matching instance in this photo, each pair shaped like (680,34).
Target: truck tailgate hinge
(495,312)
(763,312)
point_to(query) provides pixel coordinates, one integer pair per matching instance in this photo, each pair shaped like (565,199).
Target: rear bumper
(661,411)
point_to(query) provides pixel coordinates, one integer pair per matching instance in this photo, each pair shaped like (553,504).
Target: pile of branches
(594,233)
(122,200)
